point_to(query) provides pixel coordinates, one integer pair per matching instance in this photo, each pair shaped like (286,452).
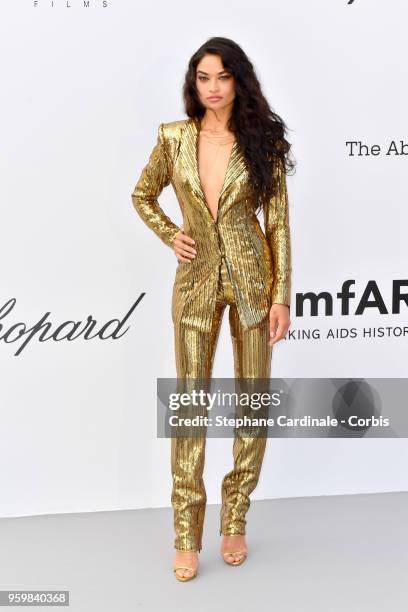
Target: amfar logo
(371,298)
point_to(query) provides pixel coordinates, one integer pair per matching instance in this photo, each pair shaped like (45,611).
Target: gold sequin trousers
(194,359)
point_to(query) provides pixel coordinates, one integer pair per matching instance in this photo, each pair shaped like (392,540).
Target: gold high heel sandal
(244,554)
(185,578)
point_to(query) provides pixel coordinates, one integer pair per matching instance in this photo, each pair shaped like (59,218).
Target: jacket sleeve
(154,177)
(277,232)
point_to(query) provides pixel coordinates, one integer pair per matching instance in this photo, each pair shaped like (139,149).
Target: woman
(226,162)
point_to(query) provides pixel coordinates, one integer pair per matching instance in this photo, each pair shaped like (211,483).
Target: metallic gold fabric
(194,360)
(259,263)
(236,264)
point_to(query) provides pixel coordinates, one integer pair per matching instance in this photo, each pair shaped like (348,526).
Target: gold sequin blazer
(259,263)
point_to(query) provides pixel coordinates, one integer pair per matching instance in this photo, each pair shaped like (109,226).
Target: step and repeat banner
(85,295)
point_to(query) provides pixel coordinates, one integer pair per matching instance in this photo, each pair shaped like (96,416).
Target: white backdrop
(83,93)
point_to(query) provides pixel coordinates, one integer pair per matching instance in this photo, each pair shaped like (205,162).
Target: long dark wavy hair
(259,131)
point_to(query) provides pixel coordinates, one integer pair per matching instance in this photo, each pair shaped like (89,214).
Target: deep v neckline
(197,137)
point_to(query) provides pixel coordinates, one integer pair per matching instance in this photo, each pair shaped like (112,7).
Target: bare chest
(213,161)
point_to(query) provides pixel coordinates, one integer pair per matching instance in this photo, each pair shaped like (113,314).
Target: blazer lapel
(236,165)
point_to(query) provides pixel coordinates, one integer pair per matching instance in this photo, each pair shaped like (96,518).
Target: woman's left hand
(279,322)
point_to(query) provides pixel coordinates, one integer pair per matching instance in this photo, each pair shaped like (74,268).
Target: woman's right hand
(184,246)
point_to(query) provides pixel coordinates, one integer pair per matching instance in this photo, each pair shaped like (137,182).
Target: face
(215,85)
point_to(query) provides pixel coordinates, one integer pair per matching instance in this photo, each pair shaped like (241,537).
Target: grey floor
(338,553)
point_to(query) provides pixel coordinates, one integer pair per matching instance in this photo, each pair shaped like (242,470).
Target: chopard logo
(67,330)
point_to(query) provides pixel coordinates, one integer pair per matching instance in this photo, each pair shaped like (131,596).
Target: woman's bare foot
(189,558)
(229,547)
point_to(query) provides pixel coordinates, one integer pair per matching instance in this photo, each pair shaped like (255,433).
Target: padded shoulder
(173,129)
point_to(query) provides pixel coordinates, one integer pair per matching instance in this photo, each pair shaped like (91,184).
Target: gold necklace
(217,134)
(215,155)
(217,143)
